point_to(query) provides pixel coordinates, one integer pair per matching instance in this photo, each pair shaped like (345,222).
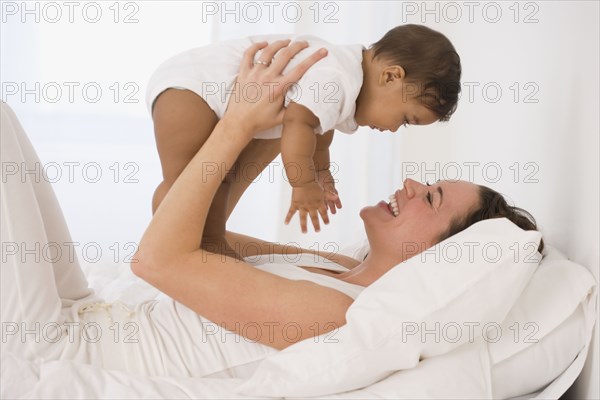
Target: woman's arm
(177,224)
(229,292)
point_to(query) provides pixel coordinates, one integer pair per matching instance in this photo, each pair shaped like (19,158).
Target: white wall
(548,52)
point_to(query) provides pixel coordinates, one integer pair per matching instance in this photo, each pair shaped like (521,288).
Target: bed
(437,377)
(543,307)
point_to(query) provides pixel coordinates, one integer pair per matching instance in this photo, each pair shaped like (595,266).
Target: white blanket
(66,379)
(458,372)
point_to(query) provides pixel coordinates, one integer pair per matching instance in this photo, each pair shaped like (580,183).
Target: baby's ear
(393,73)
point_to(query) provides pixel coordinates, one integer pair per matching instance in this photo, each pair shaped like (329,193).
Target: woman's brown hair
(493,205)
(429,61)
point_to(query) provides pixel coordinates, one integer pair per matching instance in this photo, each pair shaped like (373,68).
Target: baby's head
(411,76)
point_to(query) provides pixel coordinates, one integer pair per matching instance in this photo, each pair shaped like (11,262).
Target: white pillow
(546,329)
(558,302)
(466,281)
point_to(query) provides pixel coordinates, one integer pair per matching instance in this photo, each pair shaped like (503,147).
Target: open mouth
(393,205)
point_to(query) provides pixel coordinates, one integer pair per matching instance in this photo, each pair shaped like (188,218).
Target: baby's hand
(332,198)
(308,199)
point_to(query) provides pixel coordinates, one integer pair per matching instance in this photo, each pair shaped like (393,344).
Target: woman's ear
(391,74)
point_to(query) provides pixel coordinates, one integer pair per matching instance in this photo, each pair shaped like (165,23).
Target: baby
(410,76)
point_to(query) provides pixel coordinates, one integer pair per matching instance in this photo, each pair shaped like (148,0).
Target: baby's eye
(428,184)
(405,124)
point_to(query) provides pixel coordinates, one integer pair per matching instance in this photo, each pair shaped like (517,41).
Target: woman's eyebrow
(441,192)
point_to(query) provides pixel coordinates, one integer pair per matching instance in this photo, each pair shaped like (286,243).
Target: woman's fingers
(249,54)
(265,85)
(267,54)
(286,54)
(295,74)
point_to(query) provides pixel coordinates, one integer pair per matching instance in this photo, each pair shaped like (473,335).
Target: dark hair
(429,60)
(493,205)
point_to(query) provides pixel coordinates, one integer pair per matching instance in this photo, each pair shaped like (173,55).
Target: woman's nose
(410,186)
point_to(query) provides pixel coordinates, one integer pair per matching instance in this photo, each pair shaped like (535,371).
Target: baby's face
(388,107)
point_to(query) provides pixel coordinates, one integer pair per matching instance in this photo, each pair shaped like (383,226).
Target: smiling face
(389,108)
(387,101)
(424,213)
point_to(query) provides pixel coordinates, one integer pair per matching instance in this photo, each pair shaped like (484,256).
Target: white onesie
(329,88)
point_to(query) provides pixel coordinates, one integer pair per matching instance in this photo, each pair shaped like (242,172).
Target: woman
(223,315)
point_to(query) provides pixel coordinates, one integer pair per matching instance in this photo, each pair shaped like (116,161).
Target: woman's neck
(367,272)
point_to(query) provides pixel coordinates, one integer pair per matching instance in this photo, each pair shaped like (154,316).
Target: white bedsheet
(453,373)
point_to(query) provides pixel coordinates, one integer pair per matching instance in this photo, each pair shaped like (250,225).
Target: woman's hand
(256,103)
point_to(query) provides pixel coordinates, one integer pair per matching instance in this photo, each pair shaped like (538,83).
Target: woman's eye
(428,184)
(429,199)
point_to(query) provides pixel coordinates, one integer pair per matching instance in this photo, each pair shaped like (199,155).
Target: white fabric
(329,89)
(550,325)
(460,373)
(546,329)
(304,260)
(467,281)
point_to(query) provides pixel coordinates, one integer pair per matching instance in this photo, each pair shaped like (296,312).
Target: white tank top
(162,337)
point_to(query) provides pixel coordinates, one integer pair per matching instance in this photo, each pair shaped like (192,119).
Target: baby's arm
(298,144)
(323,174)
(321,155)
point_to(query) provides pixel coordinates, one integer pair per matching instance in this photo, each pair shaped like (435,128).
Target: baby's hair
(429,61)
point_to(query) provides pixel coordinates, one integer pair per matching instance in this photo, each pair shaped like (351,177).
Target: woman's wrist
(234,131)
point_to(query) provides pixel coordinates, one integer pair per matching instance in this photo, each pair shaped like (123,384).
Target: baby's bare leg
(182,123)
(251,162)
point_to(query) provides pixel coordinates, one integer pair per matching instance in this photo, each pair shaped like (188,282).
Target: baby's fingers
(338,202)
(303,220)
(314,216)
(331,205)
(323,212)
(290,214)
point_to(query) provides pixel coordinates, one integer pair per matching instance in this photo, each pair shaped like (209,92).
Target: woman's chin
(369,218)
(364,212)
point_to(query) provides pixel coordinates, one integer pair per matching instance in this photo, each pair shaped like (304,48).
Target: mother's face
(424,214)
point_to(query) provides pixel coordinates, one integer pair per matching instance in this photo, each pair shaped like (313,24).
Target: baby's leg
(40,274)
(252,161)
(182,123)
